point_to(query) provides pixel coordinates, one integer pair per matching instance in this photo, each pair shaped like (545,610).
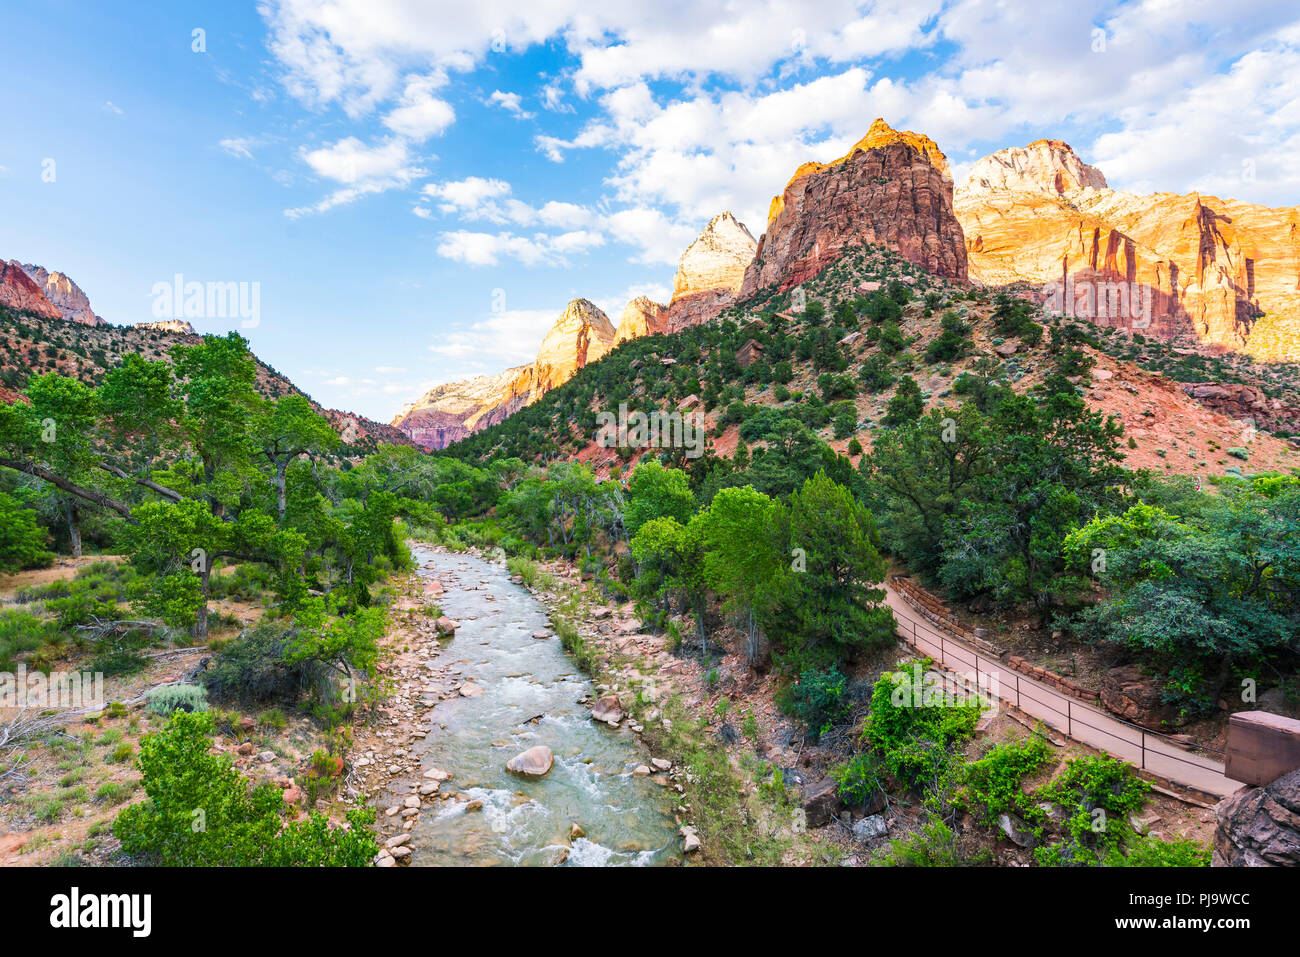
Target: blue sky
(419,187)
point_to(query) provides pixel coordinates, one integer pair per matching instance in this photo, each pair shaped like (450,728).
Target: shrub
(858,780)
(992,785)
(168,698)
(253,668)
(818,698)
(200,812)
(911,729)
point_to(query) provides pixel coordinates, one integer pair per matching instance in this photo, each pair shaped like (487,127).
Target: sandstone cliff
(180,327)
(1220,273)
(710,272)
(893,189)
(65,295)
(20,292)
(641,317)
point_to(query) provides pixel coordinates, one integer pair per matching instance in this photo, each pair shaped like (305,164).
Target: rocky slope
(65,295)
(711,271)
(31,343)
(1218,273)
(893,189)
(20,292)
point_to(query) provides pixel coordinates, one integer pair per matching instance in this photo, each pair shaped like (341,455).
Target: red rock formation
(19,292)
(892,190)
(448,413)
(65,295)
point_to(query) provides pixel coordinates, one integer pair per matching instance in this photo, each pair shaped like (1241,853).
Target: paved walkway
(1143,749)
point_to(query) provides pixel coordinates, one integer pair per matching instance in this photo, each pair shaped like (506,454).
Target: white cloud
(363,170)
(488,249)
(111,107)
(510,102)
(238,147)
(420,114)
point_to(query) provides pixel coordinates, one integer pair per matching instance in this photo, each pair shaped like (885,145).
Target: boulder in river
(534,762)
(608,709)
(446,626)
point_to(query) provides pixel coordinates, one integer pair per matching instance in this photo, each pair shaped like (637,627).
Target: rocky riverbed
(485,686)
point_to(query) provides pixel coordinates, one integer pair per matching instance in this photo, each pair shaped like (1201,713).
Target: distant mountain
(65,295)
(1217,273)
(448,413)
(20,292)
(711,271)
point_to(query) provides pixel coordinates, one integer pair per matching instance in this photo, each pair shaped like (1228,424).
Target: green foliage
(818,698)
(913,727)
(992,785)
(165,699)
(1154,852)
(200,812)
(858,779)
(907,405)
(22,539)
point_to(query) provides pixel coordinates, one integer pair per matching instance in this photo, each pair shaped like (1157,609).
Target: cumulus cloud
(361,169)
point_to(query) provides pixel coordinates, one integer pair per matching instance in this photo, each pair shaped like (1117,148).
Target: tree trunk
(201,620)
(74,529)
(280,490)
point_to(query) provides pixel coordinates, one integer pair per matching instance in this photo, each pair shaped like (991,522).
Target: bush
(200,812)
(911,728)
(22,539)
(858,780)
(992,785)
(168,698)
(818,698)
(253,668)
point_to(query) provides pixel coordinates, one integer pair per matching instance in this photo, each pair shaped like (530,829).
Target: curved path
(1144,749)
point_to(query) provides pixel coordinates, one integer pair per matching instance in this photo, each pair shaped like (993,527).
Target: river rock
(397,841)
(1016,832)
(690,840)
(576,831)
(608,709)
(446,626)
(541,633)
(437,774)
(470,690)
(534,762)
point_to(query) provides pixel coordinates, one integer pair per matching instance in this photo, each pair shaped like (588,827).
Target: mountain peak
(717,259)
(1044,166)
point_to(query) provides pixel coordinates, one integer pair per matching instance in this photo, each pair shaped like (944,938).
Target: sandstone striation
(1221,274)
(893,189)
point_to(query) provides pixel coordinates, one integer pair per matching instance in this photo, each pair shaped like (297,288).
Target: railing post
(941,661)
(1144,750)
(1069,719)
(1018,691)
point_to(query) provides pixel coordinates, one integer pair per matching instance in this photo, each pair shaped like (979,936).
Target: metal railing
(1074,713)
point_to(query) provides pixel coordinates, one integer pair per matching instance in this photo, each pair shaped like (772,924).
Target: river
(531,694)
